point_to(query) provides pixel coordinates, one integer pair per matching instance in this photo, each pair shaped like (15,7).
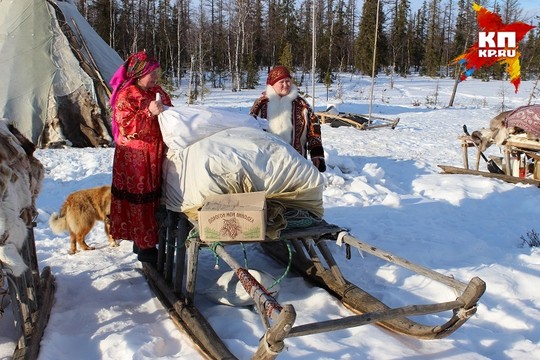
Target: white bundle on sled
(185,125)
(223,152)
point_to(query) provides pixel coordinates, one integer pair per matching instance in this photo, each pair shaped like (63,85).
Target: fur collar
(280,112)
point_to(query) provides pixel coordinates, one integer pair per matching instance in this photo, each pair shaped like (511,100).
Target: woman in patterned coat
(290,116)
(136,173)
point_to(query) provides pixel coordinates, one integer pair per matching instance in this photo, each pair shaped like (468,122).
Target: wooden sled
(357,121)
(515,144)
(174,276)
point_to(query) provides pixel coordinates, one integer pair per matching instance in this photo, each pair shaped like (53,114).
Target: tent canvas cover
(55,70)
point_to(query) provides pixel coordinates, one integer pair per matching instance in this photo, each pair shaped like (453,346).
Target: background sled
(174,277)
(358,121)
(515,147)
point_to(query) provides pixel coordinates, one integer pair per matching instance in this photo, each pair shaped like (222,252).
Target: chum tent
(55,71)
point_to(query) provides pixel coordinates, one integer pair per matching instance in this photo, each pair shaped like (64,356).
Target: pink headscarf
(136,66)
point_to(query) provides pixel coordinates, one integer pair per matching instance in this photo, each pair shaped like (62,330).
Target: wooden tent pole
(94,65)
(373,62)
(313,53)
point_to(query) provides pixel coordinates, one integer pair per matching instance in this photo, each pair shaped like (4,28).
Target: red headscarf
(136,66)
(276,74)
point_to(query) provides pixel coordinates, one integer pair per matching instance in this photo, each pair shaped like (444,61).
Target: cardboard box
(233,217)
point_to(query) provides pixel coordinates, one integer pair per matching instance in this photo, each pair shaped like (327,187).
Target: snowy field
(382,184)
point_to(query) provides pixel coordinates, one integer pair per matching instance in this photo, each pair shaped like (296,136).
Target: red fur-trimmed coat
(306,130)
(136,175)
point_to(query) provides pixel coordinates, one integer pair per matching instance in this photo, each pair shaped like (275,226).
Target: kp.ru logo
(497,44)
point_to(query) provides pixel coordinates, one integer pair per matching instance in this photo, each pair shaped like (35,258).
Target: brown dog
(79,214)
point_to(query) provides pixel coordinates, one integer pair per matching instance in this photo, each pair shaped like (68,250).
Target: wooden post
(331,262)
(478,154)
(465,150)
(191,272)
(170,241)
(180,260)
(508,169)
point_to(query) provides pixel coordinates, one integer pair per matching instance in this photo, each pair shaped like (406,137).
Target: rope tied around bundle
(297,218)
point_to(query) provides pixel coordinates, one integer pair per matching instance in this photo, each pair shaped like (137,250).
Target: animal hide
(21,176)
(526,118)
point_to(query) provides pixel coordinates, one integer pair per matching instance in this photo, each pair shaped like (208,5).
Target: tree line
(218,42)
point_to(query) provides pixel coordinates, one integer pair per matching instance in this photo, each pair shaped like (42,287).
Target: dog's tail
(58,223)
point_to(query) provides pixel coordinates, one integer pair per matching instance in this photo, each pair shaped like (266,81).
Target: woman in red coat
(136,173)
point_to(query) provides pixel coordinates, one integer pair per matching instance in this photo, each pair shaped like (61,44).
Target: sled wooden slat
(443,279)
(272,342)
(511,179)
(180,258)
(520,144)
(32,297)
(372,317)
(328,118)
(187,317)
(191,271)
(169,256)
(334,268)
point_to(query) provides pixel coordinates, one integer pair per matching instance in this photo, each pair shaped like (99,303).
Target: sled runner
(508,178)
(306,249)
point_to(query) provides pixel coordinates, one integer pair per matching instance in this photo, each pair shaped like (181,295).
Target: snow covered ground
(382,184)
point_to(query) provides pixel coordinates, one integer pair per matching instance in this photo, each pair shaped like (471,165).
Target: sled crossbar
(373,317)
(419,269)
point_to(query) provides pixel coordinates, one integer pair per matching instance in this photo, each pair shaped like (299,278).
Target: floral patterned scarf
(136,66)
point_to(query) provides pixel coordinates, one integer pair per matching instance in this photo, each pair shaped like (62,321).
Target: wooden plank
(372,317)
(330,261)
(362,302)
(48,287)
(185,314)
(170,241)
(272,342)
(419,269)
(508,178)
(191,271)
(353,123)
(182,232)
(522,142)
(391,123)
(28,347)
